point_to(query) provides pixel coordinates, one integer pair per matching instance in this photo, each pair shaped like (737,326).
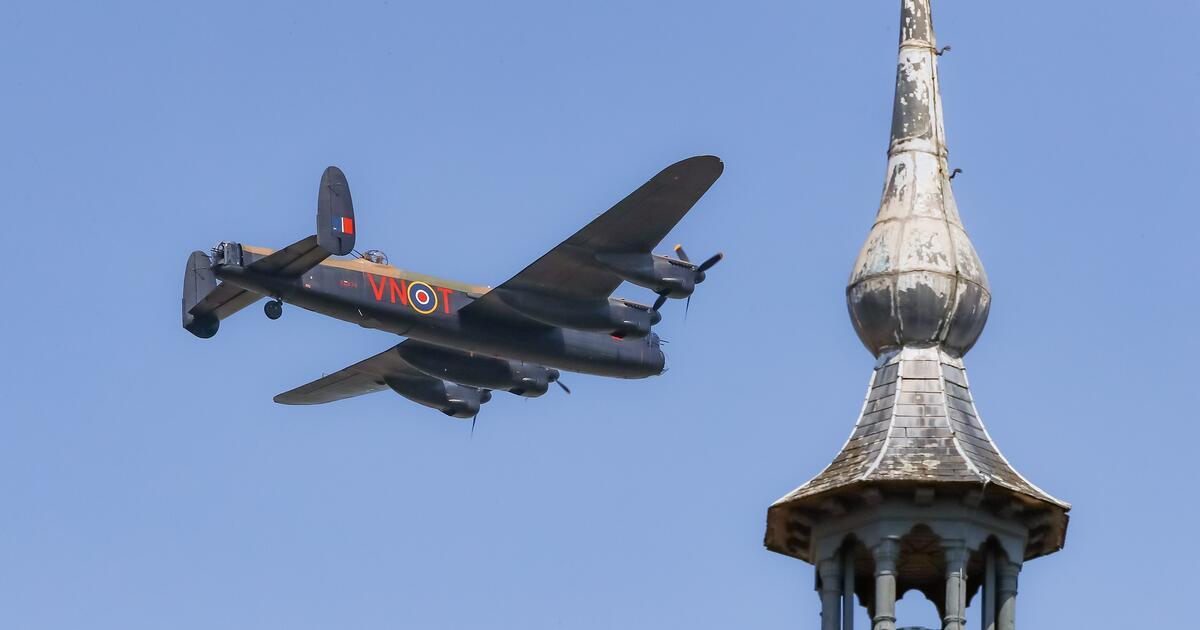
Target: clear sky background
(148,481)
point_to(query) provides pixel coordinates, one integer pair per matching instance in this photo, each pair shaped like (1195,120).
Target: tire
(273,309)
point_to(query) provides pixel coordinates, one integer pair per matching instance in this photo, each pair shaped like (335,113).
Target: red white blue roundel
(422,297)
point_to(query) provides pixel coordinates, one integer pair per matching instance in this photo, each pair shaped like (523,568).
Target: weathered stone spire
(919,497)
(918,281)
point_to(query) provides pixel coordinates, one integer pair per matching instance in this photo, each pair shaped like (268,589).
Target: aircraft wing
(637,224)
(363,377)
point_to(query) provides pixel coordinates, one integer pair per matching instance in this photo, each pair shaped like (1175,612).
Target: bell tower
(920,497)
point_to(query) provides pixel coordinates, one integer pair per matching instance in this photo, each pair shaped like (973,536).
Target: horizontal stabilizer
(206,303)
(293,260)
(223,301)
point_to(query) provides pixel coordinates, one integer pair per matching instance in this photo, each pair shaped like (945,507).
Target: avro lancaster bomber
(465,341)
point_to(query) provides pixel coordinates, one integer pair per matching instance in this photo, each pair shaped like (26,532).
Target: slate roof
(919,424)
(919,429)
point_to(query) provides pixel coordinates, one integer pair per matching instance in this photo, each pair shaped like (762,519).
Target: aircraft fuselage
(427,309)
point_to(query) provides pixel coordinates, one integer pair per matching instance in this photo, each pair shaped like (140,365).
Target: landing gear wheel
(273,309)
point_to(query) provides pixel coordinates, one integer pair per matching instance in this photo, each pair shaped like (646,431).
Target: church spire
(917,281)
(919,497)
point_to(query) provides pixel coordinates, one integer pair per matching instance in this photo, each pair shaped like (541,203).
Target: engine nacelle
(518,377)
(664,276)
(452,399)
(531,380)
(620,318)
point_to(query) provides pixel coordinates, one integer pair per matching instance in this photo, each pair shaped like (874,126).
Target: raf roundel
(422,297)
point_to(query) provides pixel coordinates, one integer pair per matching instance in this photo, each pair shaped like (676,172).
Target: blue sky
(148,481)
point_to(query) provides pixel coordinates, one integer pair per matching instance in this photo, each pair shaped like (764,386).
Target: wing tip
(710,163)
(284,399)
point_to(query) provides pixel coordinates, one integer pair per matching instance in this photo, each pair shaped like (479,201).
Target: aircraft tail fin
(198,282)
(335,213)
(206,301)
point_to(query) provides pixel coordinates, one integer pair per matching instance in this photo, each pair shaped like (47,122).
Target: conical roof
(919,430)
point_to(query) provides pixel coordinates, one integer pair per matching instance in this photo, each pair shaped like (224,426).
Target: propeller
(553,378)
(700,269)
(708,264)
(484,396)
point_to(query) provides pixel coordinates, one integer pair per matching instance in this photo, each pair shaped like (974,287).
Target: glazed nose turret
(917,281)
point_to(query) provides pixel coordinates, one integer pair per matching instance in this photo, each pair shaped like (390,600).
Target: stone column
(886,553)
(848,588)
(830,571)
(1006,577)
(956,554)
(989,591)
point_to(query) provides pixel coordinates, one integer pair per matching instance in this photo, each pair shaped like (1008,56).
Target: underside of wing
(364,377)
(637,224)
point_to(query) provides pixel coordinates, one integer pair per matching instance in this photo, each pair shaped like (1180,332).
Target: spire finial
(916,25)
(917,111)
(918,281)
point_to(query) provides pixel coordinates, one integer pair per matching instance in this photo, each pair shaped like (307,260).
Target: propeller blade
(681,254)
(564,387)
(473,419)
(708,264)
(662,299)
(687,307)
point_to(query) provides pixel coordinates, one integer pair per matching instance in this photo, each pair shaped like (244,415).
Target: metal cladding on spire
(917,280)
(919,298)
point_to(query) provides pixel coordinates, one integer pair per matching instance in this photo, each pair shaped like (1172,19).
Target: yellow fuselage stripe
(366,266)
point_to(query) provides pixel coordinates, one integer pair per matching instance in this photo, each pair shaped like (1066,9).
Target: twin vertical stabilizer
(206,302)
(335,213)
